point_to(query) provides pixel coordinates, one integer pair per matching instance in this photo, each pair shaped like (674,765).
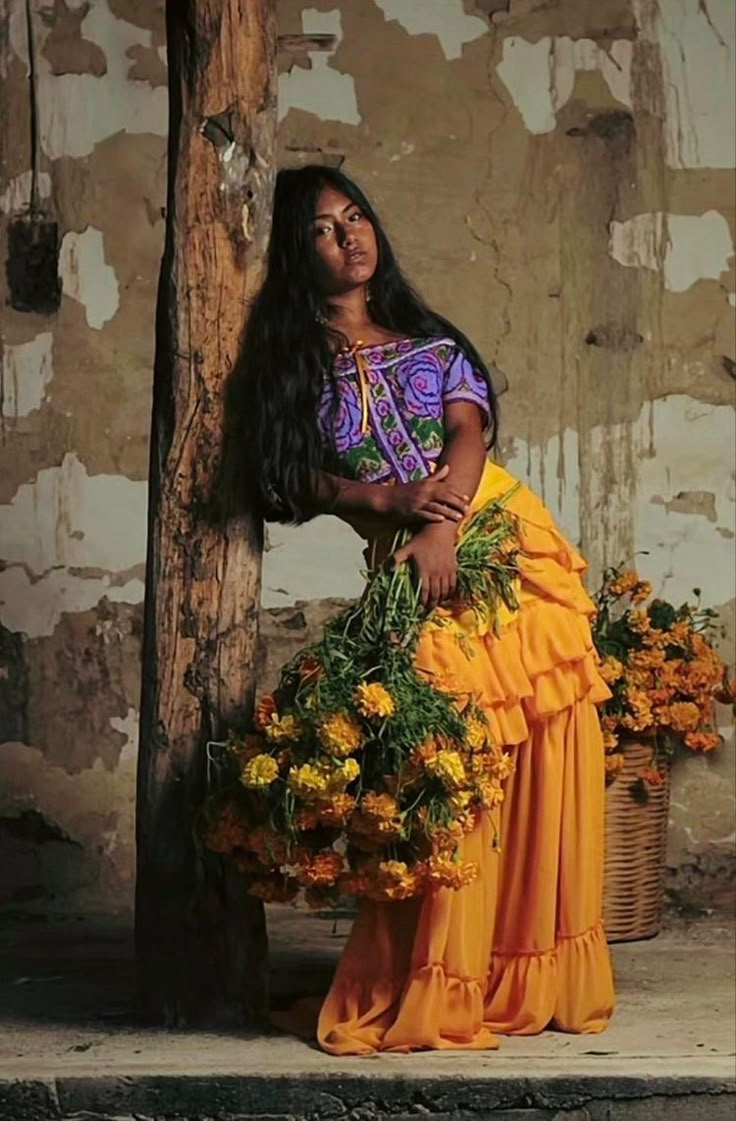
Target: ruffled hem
(542,660)
(569,987)
(436,1011)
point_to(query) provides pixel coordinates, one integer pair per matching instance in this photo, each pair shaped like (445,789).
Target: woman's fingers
(445,511)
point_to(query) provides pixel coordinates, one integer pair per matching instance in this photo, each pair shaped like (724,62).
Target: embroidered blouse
(382,412)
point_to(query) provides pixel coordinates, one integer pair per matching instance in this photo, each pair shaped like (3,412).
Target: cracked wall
(557,178)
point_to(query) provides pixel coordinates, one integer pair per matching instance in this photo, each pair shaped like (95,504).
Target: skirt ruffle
(521,948)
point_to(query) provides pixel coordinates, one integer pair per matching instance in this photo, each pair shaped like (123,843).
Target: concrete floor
(67,1012)
(66,999)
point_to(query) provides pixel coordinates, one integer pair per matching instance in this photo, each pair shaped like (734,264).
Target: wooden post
(201,942)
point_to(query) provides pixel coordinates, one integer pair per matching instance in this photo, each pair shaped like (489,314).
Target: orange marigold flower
(641,591)
(624,583)
(381,806)
(647,659)
(270,848)
(228,832)
(639,622)
(702,741)
(311,670)
(337,810)
(306,819)
(321,870)
(444,871)
(614,763)
(355,882)
(610,740)
(246,747)
(274,889)
(425,753)
(611,669)
(684,716)
(265,711)
(653,777)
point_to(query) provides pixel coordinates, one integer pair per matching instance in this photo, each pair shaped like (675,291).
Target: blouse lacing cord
(364,379)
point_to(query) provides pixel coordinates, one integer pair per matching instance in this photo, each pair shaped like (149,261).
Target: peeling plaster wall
(557,178)
(75,392)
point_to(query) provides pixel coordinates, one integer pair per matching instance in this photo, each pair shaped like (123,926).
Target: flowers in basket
(363,774)
(663,671)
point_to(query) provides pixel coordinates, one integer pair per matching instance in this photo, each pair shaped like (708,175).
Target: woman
(369,405)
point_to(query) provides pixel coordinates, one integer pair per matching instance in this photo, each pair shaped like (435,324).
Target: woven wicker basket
(636,843)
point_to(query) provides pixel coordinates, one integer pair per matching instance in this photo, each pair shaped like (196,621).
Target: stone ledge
(368,1098)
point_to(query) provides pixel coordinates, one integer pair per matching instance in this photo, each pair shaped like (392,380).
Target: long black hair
(288,348)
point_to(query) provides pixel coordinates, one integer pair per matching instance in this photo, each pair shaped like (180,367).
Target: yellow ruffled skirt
(522,948)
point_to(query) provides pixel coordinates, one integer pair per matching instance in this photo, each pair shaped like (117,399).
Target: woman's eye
(322,230)
(355,217)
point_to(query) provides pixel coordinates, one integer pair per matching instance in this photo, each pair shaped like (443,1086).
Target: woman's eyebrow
(350,204)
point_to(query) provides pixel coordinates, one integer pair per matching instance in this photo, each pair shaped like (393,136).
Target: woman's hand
(433,500)
(432,554)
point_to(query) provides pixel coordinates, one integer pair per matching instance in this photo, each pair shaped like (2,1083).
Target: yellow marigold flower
(702,741)
(684,716)
(265,711)
(490,793)
(283,728)
(476,733)
(611,670)
(614,763)
(443,871)
(259,771)
(394,880)
(448,767)
(504,765)
(624,583)
(374,700)
(307,781)
(610,740)
(340,735)
(348,771)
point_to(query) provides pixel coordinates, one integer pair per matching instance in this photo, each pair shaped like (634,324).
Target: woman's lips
(355,255)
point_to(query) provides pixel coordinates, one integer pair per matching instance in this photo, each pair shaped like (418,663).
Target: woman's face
(345,243)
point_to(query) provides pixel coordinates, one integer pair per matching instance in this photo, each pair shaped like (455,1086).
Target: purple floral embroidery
(410,382)
(423,385)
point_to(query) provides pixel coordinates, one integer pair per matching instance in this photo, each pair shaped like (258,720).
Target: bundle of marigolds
(363,776)
(663,672)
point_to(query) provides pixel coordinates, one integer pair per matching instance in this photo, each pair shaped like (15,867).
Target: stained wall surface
(557,178)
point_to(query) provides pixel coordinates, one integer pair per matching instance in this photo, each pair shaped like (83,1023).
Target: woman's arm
(432,549)
(432,500)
